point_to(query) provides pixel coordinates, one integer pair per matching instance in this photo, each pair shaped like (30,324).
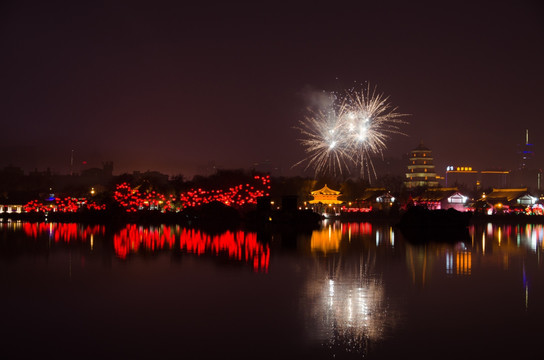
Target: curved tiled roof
(325,190)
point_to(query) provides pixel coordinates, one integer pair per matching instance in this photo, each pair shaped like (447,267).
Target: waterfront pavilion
(326,200)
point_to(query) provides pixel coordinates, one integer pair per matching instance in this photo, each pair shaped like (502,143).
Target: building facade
(326,196)
(325,201)
(421,171)
(469,178)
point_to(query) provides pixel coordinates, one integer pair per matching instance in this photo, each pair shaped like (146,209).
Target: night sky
(183,88)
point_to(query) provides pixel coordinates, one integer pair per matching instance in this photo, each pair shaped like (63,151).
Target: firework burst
(352,129)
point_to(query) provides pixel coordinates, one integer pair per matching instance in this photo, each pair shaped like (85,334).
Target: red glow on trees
(65,205)
(132,199)
(238,196)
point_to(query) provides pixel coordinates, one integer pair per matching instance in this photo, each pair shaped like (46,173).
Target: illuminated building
(510,200)
(461,176)
(505,195)
(421,171)
(325,201)
(326,196)
(10,209)
(376,198)
(442,198)
(466,176)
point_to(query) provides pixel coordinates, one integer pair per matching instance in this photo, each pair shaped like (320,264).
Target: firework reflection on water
(345,299)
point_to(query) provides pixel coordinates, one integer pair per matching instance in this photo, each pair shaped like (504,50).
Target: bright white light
(349,111)
(534,240)
(449,263)
(332,145)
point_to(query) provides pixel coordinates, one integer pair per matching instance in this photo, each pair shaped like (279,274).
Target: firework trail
(349,132)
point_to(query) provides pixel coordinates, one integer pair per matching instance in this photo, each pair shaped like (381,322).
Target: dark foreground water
(347,291)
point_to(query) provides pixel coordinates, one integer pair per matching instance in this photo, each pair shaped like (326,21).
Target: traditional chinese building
(442,198)
(326,196)
(376,198)
(508,200)
(11,209)
(421,171)
(326,201)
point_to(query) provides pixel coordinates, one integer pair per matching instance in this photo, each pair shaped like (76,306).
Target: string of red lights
(67,204)
(132,199)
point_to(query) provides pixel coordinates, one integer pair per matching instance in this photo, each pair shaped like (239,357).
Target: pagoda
(421,172)
(326,196)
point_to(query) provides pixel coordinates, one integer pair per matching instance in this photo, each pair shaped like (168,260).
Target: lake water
(346,291)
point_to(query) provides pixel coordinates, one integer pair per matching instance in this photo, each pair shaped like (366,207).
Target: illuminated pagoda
(326,196)
(421,172)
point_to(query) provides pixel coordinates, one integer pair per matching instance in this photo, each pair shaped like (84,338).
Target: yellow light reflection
(464,263)
(326,240)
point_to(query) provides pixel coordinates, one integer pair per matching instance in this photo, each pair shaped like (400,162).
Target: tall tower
(421,170)
(526,153)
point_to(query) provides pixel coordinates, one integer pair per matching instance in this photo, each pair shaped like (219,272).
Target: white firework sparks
(354,128)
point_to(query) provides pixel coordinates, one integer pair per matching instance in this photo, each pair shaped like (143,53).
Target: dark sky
(180,88)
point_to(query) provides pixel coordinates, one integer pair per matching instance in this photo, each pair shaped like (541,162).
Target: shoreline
(273,218)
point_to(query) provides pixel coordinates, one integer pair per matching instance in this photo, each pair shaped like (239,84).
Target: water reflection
(349,290)
(349,299)
(349,307)
(327,239)
(237,245)
(131,239)
(489,237)
(60,232)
